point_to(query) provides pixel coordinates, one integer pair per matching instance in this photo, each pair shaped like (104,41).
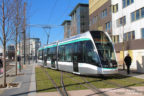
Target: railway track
(88,85)
(126,87)
(115,84)
(62,91)
(99,92)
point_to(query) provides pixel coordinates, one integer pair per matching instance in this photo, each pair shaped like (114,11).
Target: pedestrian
(128,61)
(18,58)
(1,63)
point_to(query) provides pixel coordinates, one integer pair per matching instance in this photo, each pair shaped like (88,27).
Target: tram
(90,53)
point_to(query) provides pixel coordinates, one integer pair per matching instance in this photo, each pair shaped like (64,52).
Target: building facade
(100,15)
(79,19)
(34,46)
(128,30)
(11,51)
(67,28)
(31,47)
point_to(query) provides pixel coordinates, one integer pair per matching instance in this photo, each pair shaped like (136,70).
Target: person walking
(128,61)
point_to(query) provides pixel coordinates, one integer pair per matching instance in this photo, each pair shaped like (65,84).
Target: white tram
(89,53)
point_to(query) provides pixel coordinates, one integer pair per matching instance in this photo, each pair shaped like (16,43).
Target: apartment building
(100,15)
(128,30)
(79,19)
(67,28)
(31,47)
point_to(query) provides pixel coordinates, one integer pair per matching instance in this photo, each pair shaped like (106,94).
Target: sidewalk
(132,74)
(27,86)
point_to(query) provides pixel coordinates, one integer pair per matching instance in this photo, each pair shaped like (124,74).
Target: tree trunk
(4,45)
(4,64)
(16,54)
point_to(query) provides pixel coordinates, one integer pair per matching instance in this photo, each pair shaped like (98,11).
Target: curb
(32,88)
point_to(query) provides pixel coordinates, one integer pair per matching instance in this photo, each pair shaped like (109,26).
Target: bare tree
(6,28)
(18,25)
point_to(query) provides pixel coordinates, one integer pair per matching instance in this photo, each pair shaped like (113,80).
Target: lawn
(43,83)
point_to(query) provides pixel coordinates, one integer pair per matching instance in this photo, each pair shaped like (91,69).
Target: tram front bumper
(109,70)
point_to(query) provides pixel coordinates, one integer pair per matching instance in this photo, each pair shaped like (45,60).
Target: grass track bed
(45,85)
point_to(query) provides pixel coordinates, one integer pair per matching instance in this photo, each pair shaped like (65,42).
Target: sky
(49,12)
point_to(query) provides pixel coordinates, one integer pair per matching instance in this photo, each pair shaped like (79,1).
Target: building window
(121,21)
(108,26)
(116,38)
(127,2)
(124,3)
(133,16)
(136,15)
(115,8)
(133,35)
(142,33)
(125,37)
(94,20)
(142,12)
(104,13)
(129,36)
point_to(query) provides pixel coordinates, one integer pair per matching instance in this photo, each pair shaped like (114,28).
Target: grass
(42,82)
(45,85)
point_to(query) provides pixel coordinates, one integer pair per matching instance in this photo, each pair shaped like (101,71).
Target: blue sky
(50,12)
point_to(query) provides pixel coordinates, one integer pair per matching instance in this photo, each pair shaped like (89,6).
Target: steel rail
(120,86)
(62,92)
(53,82)
(62,84)
(89,86)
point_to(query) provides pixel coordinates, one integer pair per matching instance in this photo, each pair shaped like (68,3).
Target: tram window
(42,54)
(61,53)
(39,54)
(79,52)
(68,52)
(89,55)
(48,54)
(45,54)
(75,49)
(52,53)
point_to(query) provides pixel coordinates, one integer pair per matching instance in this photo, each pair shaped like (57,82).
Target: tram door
(75,57)
(53,57)
(75,64)
(53,62)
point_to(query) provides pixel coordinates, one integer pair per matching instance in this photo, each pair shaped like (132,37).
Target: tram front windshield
(105,49)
